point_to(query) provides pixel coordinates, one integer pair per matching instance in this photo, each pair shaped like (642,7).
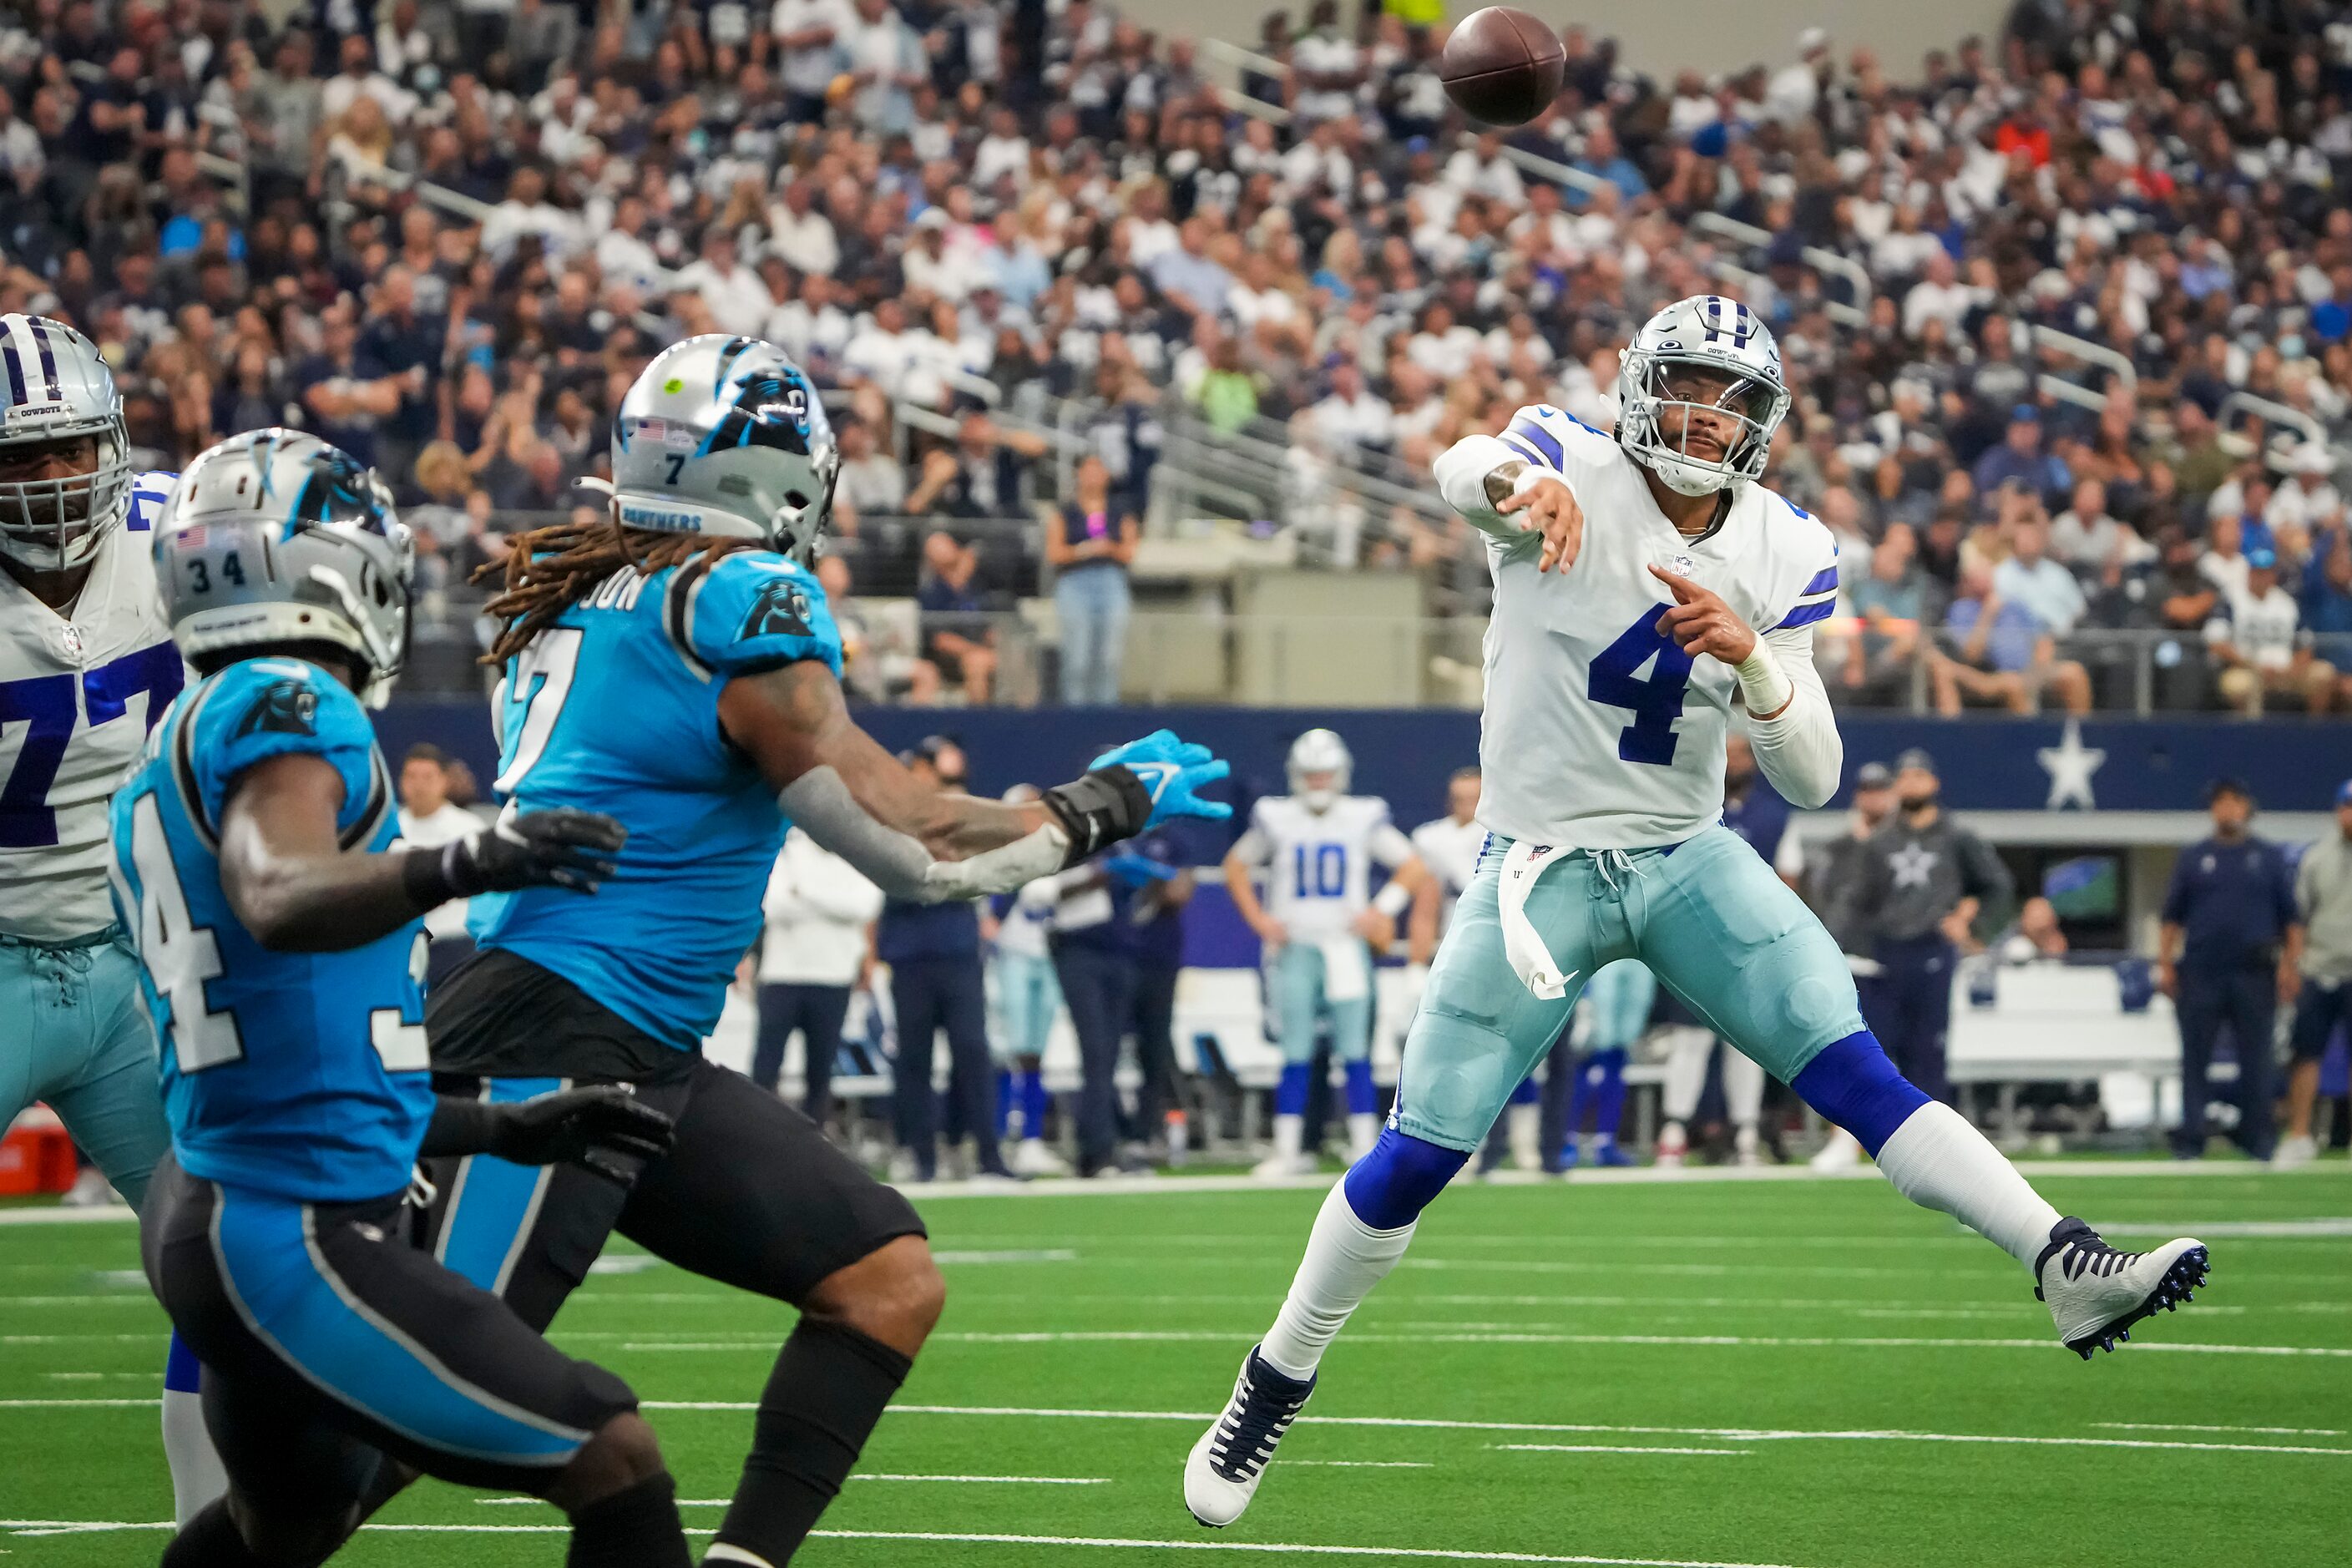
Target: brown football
(1502,66)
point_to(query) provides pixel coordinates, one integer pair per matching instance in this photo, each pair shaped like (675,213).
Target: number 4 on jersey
(1657,700)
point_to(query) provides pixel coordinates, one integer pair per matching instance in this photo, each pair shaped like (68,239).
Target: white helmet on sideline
(1318,751)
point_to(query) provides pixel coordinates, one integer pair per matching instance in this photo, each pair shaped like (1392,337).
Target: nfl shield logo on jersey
(1682,566)
(69,634)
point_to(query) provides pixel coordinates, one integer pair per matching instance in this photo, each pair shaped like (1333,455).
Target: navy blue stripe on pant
(1908,1006)
(816,1011)
(2244,997)
(1098,987)
(931,995)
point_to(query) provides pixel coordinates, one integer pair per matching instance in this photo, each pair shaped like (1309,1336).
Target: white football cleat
(1746,1150)
(1277,1167)
(1032,1158)
(2095,1293)
(1222,1473)
(2293,1151)
(90,1190)
(1674,1146)
(1839,1153)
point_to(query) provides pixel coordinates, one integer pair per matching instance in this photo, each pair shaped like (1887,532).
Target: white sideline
(1134,1186)
(1743,1342)
(31,1527)
(1612,1449)
(1421,1422)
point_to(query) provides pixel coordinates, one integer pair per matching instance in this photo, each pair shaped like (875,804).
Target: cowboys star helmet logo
(287,708)
(781,610)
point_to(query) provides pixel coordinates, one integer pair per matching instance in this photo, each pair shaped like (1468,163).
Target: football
(1502,66)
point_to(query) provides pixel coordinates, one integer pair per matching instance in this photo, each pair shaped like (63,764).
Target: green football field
(1694,1372)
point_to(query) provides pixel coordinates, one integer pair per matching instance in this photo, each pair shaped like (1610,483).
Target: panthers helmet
(60,389)
(1318,751)
(276,537)
(1710,333)
(725,436)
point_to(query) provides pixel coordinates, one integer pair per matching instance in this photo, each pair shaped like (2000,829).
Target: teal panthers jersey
(615,708)
(301,1073)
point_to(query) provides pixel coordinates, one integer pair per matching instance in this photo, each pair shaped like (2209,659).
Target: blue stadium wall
(1405,755)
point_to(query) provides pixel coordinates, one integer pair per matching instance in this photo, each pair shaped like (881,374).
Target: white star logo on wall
(2070,765)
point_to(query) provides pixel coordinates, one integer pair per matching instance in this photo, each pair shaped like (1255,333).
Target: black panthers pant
(750,1194)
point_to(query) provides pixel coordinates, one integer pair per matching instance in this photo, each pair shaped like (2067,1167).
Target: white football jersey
(1449,850)
(78,694)
(1598,731)
(1318,864)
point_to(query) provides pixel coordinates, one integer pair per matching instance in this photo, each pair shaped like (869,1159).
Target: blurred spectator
(2085,538)
(2020,460)
(2002,653)
(958,644)
(429,818)
(1090,545)
(1889,609)
(2256,635)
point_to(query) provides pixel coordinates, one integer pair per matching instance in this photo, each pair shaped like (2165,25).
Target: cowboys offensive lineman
(87,667)
(1609,690)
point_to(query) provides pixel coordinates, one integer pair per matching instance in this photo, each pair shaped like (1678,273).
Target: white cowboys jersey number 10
(1624,749)
(79,692)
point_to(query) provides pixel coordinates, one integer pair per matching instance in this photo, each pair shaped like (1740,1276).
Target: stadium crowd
(444,236)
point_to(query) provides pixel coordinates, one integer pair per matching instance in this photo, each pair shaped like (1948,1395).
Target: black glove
(559,848)
(583,1126)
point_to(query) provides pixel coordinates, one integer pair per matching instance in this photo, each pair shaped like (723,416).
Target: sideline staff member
(2229,950)
(2323,897)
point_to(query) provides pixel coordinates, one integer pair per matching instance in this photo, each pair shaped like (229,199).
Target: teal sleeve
(753,611)
(267,708)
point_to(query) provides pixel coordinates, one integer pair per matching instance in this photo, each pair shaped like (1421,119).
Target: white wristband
(1763,685)
(1392,899)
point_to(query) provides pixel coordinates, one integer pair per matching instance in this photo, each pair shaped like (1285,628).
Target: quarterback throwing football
(1640,581)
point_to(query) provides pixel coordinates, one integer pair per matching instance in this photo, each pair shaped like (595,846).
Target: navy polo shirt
(1760,816)
(2232,902)
(907,932)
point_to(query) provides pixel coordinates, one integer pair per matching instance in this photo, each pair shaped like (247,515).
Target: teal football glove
(1172,772)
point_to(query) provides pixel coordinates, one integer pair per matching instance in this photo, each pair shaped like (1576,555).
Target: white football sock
(1345,1258)
(1289,1131)
(1939,1162)
(1523,1128)
(197,1477)
(1363,1132)
(1686,1073)
(1743,1087)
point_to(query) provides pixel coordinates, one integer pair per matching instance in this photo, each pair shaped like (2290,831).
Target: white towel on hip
(1347,968)
(1532,962)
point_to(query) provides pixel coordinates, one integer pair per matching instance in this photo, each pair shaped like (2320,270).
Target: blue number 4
(1656,700)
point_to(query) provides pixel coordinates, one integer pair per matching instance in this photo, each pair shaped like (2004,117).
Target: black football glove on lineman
(584,1127)
(559,848)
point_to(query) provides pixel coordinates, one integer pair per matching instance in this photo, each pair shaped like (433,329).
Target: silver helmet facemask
(1666,389)
(60,396)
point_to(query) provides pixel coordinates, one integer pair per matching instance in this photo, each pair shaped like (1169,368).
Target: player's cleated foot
(1613,1155)
(90,1190)
(1222,1473)
(1032,1158)
(2293,1151)
(1674,1146)
(1746,1148)
(1839,1153)
(2095,1293)
(1569,1155)
(1274,1167)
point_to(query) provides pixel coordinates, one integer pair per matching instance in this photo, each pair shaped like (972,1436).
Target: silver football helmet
(276,537)
(725,436)
(1318,751)
(1704,353)
(60,394)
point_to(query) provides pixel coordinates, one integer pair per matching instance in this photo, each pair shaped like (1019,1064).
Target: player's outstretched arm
(917,842)
(294,887)
(1499,492)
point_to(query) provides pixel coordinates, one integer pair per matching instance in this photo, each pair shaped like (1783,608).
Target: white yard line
(1100,1543)
(1738,1342)
(2192,1426)
(1612,1449)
